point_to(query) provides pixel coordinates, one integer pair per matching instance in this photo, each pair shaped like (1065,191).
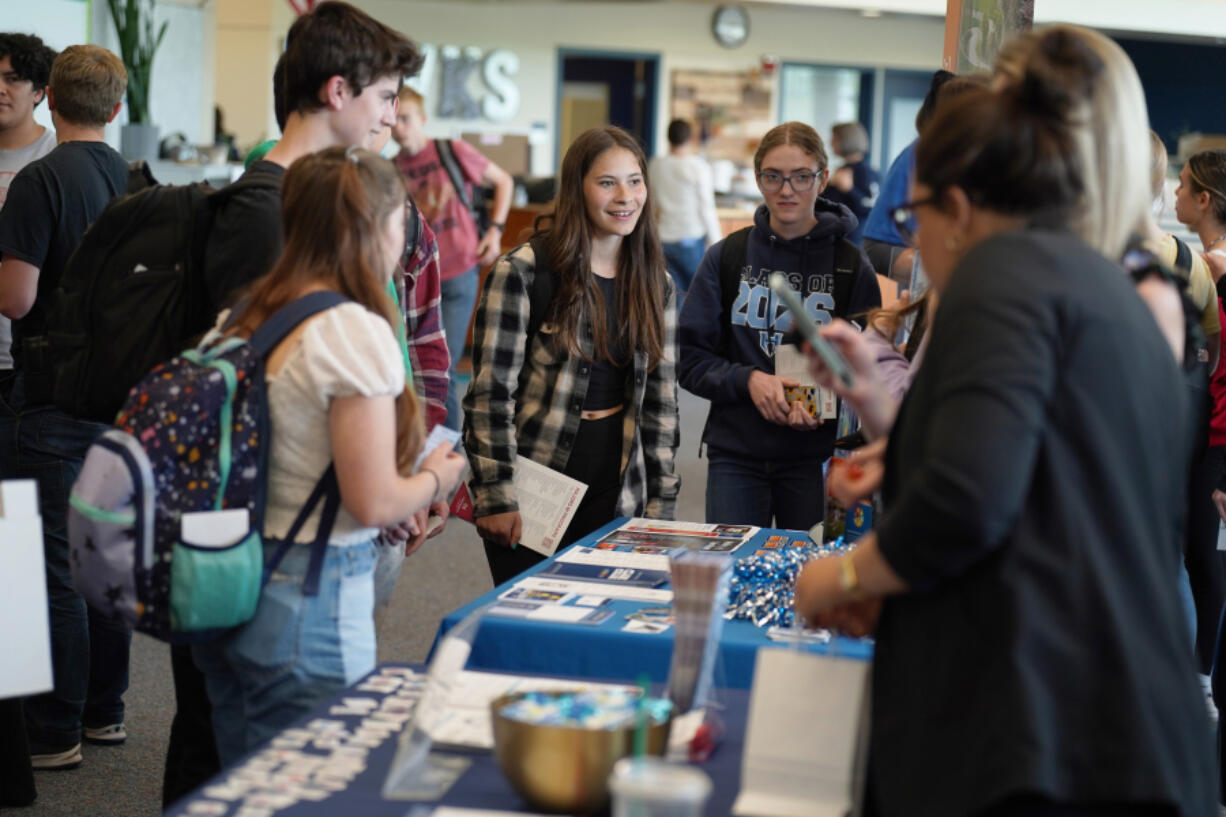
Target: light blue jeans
(296,653)
(459,298)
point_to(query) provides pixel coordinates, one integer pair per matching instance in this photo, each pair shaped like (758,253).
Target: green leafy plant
(137,44)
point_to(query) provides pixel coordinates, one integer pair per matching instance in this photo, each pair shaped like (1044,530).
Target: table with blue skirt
(605,650)
(481,786)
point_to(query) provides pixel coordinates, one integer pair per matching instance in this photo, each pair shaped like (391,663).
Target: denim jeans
(759,492)
(459,299)
(89,651)
(296,652)
(683,258)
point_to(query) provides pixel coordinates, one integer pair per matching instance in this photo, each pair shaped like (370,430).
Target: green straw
(640,730)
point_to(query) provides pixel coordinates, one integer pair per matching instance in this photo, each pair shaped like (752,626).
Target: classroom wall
(679,31)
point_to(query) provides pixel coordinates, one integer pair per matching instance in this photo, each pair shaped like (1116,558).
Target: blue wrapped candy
(763,585)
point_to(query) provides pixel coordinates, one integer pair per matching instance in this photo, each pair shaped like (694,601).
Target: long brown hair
(565,236)
(334,205)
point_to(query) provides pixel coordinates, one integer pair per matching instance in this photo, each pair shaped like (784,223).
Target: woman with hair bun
(1031,653)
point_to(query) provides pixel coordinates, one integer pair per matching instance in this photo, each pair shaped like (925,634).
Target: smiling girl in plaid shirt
(593,393)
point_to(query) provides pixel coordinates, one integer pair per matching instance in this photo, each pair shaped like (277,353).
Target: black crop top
(606,388)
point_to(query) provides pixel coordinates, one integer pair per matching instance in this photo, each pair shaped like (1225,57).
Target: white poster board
(24,628)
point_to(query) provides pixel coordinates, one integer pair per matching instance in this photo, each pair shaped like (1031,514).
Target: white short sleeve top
(343,352)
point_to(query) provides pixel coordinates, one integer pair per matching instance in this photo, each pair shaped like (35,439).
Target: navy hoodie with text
(759,322)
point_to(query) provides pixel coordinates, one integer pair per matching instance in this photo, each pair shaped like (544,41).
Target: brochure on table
(630,563)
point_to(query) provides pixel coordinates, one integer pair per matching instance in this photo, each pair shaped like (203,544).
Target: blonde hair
(407,94)
(1112,137)
(87,82)
(1158,163)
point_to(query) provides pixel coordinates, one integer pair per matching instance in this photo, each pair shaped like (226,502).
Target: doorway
(606,88)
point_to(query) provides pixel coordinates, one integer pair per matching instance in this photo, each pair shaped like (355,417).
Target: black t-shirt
(606,387)
(246,238)
(50,204)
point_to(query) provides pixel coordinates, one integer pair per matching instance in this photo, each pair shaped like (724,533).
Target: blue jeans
(296,652)
(89,651)
(758,492)
(683,258)
(459,299)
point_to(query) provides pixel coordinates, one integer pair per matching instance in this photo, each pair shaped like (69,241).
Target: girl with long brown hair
(574,356)
(336,395)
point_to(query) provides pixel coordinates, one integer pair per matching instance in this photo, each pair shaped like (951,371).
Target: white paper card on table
(806,736)
(24,628)
(614,558)
(214,529)
(547,502)
(558,612)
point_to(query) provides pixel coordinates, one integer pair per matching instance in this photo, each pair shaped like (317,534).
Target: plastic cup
(650,787)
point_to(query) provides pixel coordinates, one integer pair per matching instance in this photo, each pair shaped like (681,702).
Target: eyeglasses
(773,182)
(903,217)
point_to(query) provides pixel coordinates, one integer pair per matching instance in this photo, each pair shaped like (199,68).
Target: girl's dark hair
(1207,173)
(336,39)
(1013,152)
(30,58)
(565,237)
(334,205)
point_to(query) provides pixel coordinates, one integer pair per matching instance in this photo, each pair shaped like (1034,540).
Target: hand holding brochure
(547,502)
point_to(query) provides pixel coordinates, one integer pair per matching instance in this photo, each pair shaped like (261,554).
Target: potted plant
(137,44)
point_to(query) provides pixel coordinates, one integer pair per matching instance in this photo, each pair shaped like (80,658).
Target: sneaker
(56,761)
(111,735)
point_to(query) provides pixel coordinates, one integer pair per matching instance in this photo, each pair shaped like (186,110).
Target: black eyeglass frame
(903,213)
(789,180)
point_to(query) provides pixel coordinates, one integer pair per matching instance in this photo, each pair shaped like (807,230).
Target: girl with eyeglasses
(765,452)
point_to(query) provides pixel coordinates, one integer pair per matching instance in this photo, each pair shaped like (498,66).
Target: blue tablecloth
(481,786)
(605,650)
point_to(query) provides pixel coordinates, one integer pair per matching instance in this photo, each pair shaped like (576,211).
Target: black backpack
(132,295)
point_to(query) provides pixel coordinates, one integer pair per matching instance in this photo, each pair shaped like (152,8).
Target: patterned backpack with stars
(165,520)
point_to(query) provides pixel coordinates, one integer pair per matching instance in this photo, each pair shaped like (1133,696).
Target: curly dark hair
(30,57)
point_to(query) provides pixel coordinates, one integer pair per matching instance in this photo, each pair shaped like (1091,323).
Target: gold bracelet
(848,580)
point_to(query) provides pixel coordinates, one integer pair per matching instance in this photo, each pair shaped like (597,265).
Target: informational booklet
(630,576)
(614,558)
(805,742)
(658,536)
(547,502)
(602,589)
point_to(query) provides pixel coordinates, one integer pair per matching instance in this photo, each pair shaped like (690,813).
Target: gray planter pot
(139,142)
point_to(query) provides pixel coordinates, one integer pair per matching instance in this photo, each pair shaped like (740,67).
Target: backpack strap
(327,490)
(446,157)
(540,294)
(731,262)
(1183,258)
(286,319)
(846,264)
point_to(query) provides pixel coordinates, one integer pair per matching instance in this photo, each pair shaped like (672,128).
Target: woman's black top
(1034,484)
(606,388)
